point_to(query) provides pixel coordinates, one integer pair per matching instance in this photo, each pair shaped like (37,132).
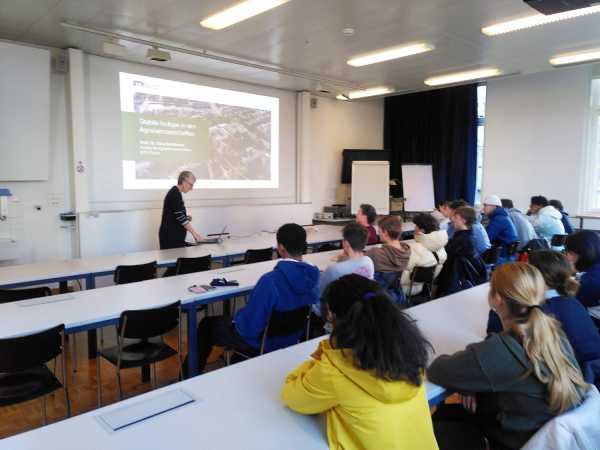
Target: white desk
(91,309)
(89,268)
(239,407)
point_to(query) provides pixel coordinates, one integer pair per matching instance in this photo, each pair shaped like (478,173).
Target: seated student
(525,231)
(482,241)
(565,215)
(366,216)
(561,304)
(583,252)
(501,230)
(353,260)
(513,382)
(392,257)
(464,267)
(445,212)
(290,285)
(369,385)
(546,219)
(427,250)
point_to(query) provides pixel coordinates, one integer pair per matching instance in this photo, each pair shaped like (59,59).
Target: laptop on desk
(214,240)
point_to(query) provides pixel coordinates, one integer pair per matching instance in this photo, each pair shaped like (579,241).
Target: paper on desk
(120,418)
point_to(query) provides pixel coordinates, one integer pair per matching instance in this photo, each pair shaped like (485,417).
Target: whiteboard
(24,112)
(417,181)
(371,184)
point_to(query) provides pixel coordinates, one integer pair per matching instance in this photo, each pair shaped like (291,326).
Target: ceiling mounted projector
(155,54)
(547,7)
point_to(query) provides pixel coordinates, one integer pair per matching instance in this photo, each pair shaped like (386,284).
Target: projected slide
(229,139)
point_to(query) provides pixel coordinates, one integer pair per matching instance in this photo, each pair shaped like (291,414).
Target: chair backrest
(135,273)
(513,248)
(559,240)
(284,323)
(25,352)
(14,295)
(423,274)
(258,255)
(192,265)
(148,323)
(491,255)
(327,248)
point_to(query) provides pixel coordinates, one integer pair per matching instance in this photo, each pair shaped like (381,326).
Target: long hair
(380,336)
(556,270)
(522,287)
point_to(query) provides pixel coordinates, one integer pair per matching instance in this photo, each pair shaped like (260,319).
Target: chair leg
(99,379)
(154,377)
(44,413)
(67,401)
(74,352)
(119,384)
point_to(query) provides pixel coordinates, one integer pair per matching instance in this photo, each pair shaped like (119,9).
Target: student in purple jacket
(366,216)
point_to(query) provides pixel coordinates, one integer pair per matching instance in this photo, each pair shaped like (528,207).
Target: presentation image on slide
(228,139)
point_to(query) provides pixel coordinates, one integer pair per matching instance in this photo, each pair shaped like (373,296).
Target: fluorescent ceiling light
(536,20)
(389,54)
(240,12)
(463,76)
(370,92)
(575,58)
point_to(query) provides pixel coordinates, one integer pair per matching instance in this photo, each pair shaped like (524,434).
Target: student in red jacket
(366,216)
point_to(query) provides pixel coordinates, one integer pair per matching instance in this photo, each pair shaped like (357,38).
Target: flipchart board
(417,182)
(371,184)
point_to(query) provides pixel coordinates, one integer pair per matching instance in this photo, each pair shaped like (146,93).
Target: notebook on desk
(214,240)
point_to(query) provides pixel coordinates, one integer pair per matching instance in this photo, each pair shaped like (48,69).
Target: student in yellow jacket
(368,377)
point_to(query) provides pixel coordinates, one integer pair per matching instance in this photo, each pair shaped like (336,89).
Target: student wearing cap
(501,229)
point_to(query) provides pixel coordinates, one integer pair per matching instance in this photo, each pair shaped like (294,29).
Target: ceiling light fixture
(363,93)
(388,54)
(575,58)
(239,12)
(536,20)
(459,77)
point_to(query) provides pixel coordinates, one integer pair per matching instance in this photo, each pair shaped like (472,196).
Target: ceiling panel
(306,35)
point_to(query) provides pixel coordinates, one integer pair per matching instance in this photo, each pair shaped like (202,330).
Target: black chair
(424,275)
(491,255)
(327,248)
(192,265)
(141,326)
(15,295)
(135,273)
(258,255)
(559,240)
(23,372)
(280,323)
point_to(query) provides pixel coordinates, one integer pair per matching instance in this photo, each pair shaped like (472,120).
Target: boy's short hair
(539,200)
(454,205)
(392,225)
(507,203)
(293,238)
(356,235)
(369,211)
(468,214)
(557,204)
(426,222)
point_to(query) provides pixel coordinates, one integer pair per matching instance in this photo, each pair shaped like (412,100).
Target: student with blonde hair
(513,382)
(368,377)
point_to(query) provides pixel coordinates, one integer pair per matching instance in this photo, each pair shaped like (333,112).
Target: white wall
(39,233)
(535,136)
(335,126)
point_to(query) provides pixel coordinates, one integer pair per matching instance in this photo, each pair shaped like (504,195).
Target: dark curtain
(439,128)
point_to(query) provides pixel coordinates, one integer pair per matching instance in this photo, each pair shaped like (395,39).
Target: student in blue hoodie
(564,307)
(583,252)
(565,215)
(501,229)
(290,285)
